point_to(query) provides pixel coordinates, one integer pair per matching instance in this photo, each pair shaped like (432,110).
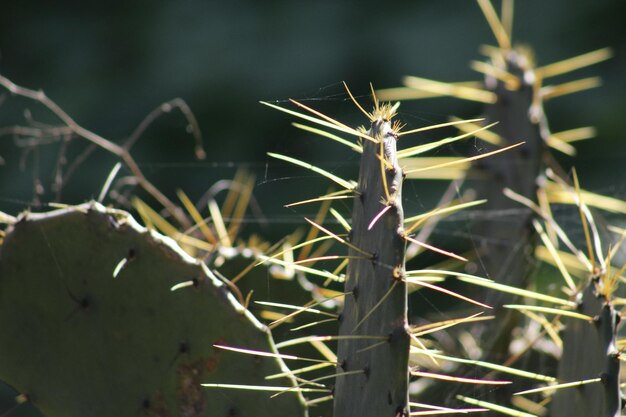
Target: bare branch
(167,107)
(122,152)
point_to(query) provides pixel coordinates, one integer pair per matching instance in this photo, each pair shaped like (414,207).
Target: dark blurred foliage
(109,63)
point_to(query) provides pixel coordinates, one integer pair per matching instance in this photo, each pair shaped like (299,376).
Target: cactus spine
(376,296)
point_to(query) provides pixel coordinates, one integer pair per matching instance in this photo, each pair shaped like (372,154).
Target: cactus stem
(378,304)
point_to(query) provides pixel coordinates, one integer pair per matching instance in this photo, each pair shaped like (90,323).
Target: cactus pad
(78,341)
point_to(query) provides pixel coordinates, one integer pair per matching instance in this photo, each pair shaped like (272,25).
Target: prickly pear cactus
(376,296)
(589,352)
(91,325)
(506,245)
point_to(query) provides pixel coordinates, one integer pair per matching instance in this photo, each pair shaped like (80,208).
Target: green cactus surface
(590,352)
(376,295)
(505,243)
(101,317)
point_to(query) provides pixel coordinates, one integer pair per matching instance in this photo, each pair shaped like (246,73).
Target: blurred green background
(110,63)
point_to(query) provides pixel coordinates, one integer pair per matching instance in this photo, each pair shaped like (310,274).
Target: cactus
(377,349)
(90,323)
(374,340)
(589,366)
(513,93)
(373,279)
(506,245)
(590,352)
(513,96)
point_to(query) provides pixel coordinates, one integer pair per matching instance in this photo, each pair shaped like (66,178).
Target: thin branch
(117,150)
